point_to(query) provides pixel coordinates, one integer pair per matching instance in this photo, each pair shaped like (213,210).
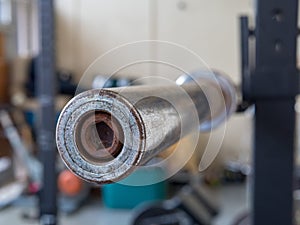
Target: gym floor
(232,198)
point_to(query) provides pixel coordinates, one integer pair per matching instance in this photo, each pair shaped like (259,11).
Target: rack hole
(277,15)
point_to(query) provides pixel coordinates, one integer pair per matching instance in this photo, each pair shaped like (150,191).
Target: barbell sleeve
(103,135)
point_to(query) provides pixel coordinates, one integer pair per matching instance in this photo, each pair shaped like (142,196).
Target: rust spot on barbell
(99,136)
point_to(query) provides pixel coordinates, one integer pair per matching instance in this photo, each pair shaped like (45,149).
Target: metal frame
(272,86)
(46,118)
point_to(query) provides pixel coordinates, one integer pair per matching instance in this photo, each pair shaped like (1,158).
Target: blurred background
(84,30)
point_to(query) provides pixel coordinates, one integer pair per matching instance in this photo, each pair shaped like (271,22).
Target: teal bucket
(123,196)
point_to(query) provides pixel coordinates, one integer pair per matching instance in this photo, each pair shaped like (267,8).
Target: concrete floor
(232,201)
(89,214)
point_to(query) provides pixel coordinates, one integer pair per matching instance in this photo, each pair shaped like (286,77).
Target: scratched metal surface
(152,118)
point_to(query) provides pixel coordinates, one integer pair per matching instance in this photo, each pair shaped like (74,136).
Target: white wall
(88,28)
(209,28)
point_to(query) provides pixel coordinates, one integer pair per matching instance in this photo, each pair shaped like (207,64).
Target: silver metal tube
(102,135)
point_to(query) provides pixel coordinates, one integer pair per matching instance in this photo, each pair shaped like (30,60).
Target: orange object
(2,45)
(4,82)
(69,184)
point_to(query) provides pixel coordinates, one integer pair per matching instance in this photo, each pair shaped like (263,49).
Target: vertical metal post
(46,117)
(272,87)
(273,162)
